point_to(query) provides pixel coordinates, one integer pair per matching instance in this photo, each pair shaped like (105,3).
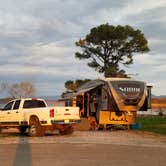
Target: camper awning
(85,88)
(89,86)
(83,91)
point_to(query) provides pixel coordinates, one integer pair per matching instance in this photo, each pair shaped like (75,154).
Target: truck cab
(12,112)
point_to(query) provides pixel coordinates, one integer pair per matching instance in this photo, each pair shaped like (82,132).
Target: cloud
(150,69)
(135,8)
(37,39)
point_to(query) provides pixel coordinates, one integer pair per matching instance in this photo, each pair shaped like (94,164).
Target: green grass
(155,124)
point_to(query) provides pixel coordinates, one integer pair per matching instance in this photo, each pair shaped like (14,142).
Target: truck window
(8,106)
(33,104)
(16,104)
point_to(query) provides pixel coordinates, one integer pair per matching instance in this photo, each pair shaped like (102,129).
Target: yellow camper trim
(108,117)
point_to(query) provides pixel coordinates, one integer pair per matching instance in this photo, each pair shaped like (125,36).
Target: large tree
(108,46)
(19,90)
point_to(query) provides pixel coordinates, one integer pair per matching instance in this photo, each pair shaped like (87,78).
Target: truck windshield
(34,104)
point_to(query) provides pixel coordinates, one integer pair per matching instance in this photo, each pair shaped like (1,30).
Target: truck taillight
(51,113)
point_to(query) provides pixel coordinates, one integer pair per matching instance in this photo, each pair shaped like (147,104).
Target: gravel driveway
(132,138)
(99,148)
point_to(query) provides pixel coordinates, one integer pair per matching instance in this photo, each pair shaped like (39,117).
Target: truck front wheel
(35,128)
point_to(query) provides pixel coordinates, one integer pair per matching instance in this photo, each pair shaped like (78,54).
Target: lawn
(155,124)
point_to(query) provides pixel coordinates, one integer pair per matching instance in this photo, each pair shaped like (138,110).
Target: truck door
(5,113)
(16,112)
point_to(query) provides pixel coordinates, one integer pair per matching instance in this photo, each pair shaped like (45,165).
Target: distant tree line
(72,86)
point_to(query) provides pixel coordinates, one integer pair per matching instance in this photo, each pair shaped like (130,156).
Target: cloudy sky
(37,40)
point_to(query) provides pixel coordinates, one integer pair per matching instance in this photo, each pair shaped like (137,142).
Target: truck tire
(35,128)
(22,129)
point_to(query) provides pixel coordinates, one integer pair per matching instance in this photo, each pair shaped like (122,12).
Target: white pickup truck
(35,116)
